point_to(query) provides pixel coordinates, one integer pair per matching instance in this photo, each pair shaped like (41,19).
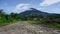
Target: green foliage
(46,24)
(7,19)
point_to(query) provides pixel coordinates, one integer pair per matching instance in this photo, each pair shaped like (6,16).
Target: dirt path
(24,27)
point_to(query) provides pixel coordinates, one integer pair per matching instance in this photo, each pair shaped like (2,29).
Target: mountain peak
(33,11)
(33,8)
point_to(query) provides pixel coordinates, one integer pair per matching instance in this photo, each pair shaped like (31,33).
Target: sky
(18,6)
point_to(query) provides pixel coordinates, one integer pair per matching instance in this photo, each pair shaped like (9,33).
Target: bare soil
(24,27)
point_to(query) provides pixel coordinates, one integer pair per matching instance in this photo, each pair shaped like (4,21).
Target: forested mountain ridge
(35,12)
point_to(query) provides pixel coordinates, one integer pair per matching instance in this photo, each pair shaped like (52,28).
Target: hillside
(34,13)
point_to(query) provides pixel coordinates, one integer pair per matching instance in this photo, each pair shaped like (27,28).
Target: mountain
(35,12)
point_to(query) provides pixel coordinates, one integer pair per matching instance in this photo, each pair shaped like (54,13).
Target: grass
(51,25)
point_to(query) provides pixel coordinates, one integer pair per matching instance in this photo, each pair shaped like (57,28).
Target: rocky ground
(24,27)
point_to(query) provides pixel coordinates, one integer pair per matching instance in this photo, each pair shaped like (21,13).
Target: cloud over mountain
(22,6)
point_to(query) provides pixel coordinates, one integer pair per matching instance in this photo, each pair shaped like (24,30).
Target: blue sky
(17,6)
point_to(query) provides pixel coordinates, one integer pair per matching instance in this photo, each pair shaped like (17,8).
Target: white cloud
(22,6)
(49,2)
